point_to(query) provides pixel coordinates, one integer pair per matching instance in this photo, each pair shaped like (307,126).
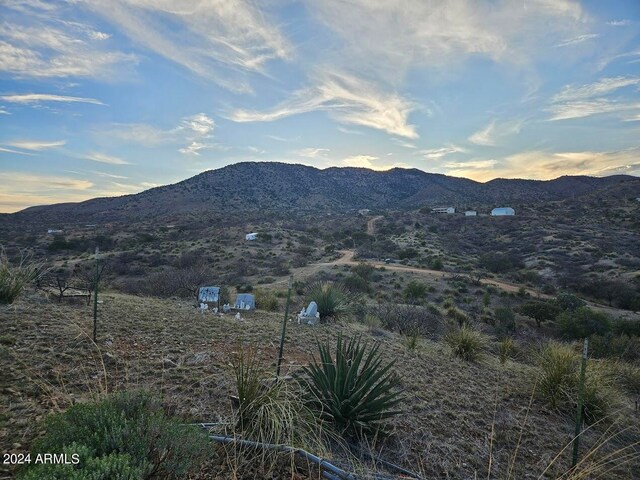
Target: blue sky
(109,97)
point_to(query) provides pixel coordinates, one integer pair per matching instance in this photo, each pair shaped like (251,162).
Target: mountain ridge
(274,186)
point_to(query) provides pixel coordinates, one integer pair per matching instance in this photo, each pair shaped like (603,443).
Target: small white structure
(502,211)
(310,315)
(470,213)
(53,231)
(251,236)
(364,211)
(443,210)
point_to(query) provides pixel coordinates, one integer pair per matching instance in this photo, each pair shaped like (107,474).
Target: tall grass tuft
(355,390)
(271,410)
(466,343)
(14,278)
(558,365)
(332,299)
(558,382)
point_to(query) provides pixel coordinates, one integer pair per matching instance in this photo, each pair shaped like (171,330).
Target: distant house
(502,211)
(251,236)
(470,213)
(245,301)
(53,231)
(364,211)
(443,210)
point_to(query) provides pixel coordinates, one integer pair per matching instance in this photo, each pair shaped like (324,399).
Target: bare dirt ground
(371,224)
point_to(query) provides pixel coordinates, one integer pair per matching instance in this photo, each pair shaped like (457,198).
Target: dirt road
(347,258)
(371,224)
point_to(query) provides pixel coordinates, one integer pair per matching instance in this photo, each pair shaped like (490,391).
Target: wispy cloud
(348,100)
(404,143)
(619,23)
(312,152)
(543,165)
(109,175)
(215,40)
(140,133)
(41,50)
(436,153)
(489,135)
(9,150)
(586,100)
(194,148)
(21,190)
(36,145)
(102,158)
(484,136)
(578,39)
(26,98)
(200,124)
(399,35)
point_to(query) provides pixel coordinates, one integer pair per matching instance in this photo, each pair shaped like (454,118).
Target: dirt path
(371,224)
(347,258)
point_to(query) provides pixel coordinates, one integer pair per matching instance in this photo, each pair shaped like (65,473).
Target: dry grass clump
(558,382)
(271,410)
(14,278)
(466,342)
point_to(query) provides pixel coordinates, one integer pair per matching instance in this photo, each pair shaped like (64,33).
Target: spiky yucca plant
(332,299)
(354,391)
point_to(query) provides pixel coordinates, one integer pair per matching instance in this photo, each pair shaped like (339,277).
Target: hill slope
(271,186)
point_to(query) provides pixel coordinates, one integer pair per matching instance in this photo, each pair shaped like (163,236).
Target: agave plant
(332,299)
(355,390)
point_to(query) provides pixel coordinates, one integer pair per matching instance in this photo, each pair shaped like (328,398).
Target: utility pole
(284,327)
(95,299)
(583,371)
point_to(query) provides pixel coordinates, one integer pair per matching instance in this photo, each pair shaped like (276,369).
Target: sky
(111,97)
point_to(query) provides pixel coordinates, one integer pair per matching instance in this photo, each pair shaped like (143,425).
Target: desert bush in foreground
(557,379)
(332,299)
(558,383)
(356,389)
(126,436)
(465,342)
(14,278)
(271,411)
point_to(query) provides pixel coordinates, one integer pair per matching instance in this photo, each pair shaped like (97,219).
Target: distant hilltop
(281,187)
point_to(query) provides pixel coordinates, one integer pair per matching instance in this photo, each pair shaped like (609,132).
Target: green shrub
(415,291)
(266,301)
(355,390)
(363,270)
(466,342)
(540,311)
(356,284)
(505,321)
(458,315)
(582,323)
(124,433)
(615,346)
(569,302)
(331,298)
